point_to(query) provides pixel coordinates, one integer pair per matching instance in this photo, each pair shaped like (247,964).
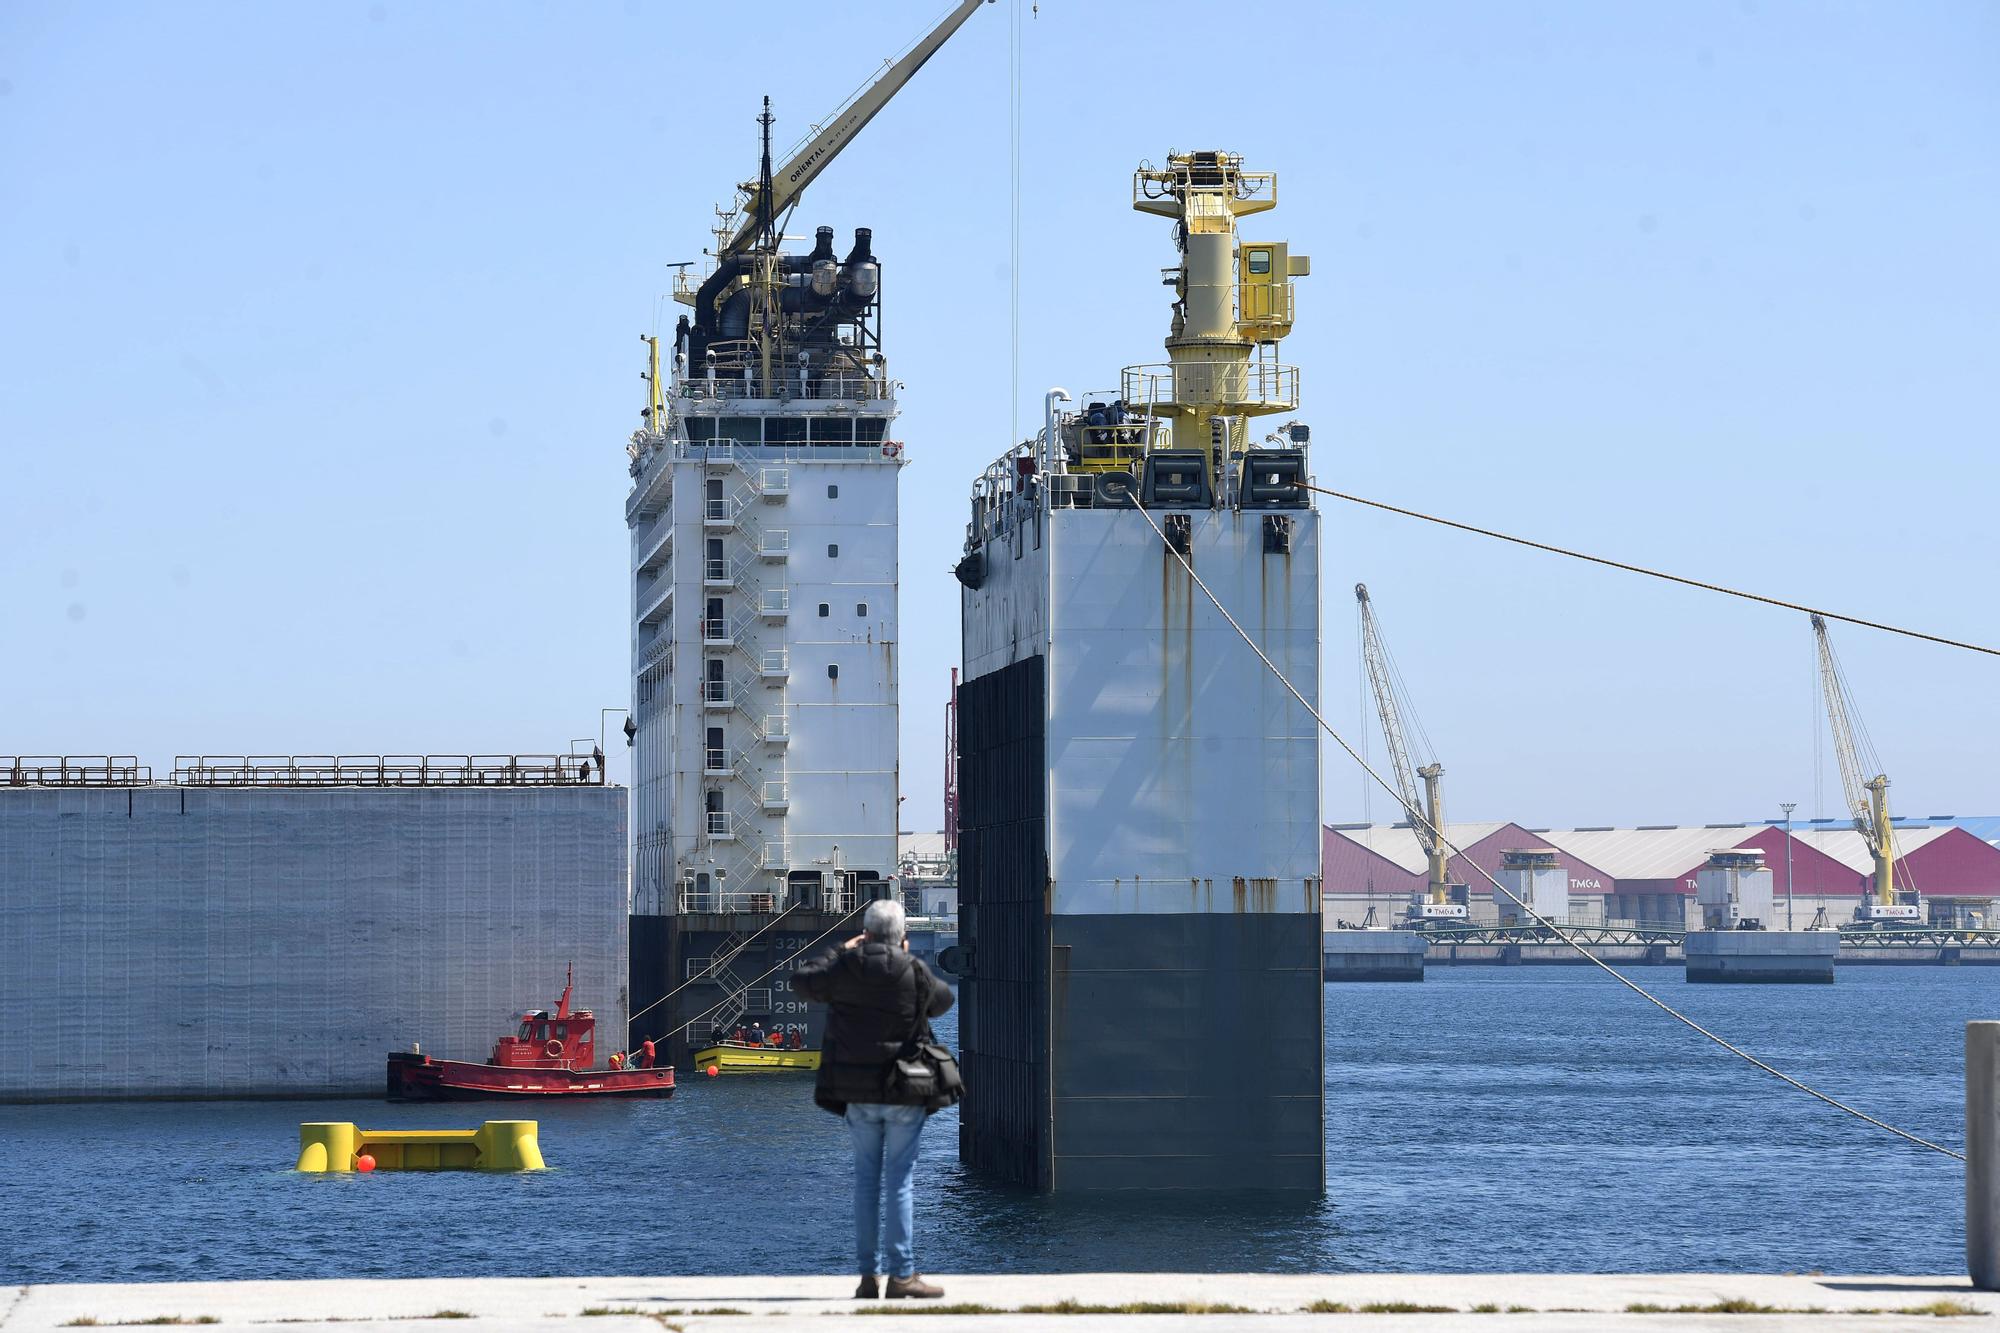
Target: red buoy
(364,1163)
(713,1070)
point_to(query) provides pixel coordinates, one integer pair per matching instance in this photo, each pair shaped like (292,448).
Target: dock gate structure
(275,925)
(1138,793)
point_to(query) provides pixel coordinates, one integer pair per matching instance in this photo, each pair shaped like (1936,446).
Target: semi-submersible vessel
(1138,793)
(763,517)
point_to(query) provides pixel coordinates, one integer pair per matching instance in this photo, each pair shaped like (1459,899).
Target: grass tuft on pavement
(1059,1307)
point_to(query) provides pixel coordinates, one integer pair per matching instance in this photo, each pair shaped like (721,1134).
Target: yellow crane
(1867,799)
(1232,305)
(1426,819)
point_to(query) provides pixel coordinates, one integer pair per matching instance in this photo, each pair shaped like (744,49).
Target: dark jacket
(870,992)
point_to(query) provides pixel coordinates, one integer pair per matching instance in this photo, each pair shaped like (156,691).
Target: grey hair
(884,921)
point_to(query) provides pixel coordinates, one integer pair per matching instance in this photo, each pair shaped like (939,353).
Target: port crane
(1425,812)
(1867,800)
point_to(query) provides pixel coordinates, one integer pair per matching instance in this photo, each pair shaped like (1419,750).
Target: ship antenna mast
(767,238)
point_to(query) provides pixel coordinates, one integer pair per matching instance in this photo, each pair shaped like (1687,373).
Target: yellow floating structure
(497,1145)
(732,1058)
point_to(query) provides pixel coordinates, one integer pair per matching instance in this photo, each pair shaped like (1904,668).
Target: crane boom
(1867,798)
(1426,813)
(1851,782)
(769,199)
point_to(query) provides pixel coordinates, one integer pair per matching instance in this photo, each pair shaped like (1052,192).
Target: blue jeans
(885,1156)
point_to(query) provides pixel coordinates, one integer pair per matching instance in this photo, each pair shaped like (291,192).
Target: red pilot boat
(550,1056)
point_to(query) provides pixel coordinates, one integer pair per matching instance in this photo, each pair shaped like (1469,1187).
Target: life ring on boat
(552,1048)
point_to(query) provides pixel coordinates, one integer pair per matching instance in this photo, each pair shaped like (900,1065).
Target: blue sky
(319,347)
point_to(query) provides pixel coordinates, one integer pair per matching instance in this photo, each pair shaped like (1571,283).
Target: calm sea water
(1532,1119)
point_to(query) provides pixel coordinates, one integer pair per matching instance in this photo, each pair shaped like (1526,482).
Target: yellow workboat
(730,1057)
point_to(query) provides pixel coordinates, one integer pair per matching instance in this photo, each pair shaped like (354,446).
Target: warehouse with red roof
(1645,875)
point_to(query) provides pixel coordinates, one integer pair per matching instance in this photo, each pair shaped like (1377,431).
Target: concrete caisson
(1138,856)
(192,942)
(1762,955)
(1374,955)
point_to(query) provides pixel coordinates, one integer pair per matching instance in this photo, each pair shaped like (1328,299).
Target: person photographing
(879,1001)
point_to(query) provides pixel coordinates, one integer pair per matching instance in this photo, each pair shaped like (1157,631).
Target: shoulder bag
(925,1073)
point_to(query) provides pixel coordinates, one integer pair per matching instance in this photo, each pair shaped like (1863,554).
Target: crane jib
(799,172)
(833,144)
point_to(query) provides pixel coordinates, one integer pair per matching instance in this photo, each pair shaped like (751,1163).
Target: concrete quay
(1373,955)
(1761,955)
(1096,1303)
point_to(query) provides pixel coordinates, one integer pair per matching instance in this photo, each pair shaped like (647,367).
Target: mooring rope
(633,1018)
(787,962)
(1658,573)
(1541,920)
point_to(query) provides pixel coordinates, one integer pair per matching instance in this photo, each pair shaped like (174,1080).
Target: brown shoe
(867,1291)
(913,1285)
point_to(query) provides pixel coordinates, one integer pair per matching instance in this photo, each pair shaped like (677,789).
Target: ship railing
(652,542)
(1266,385)
(1180,176)
(737,382)
(653,598)
(720,633)
(654,649)
(717,963)
(94,770)
(386,770)
(1266,309)
(739,901)
(752,453)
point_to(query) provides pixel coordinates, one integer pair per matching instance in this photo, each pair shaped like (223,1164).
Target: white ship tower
(764,606)
(763,515)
